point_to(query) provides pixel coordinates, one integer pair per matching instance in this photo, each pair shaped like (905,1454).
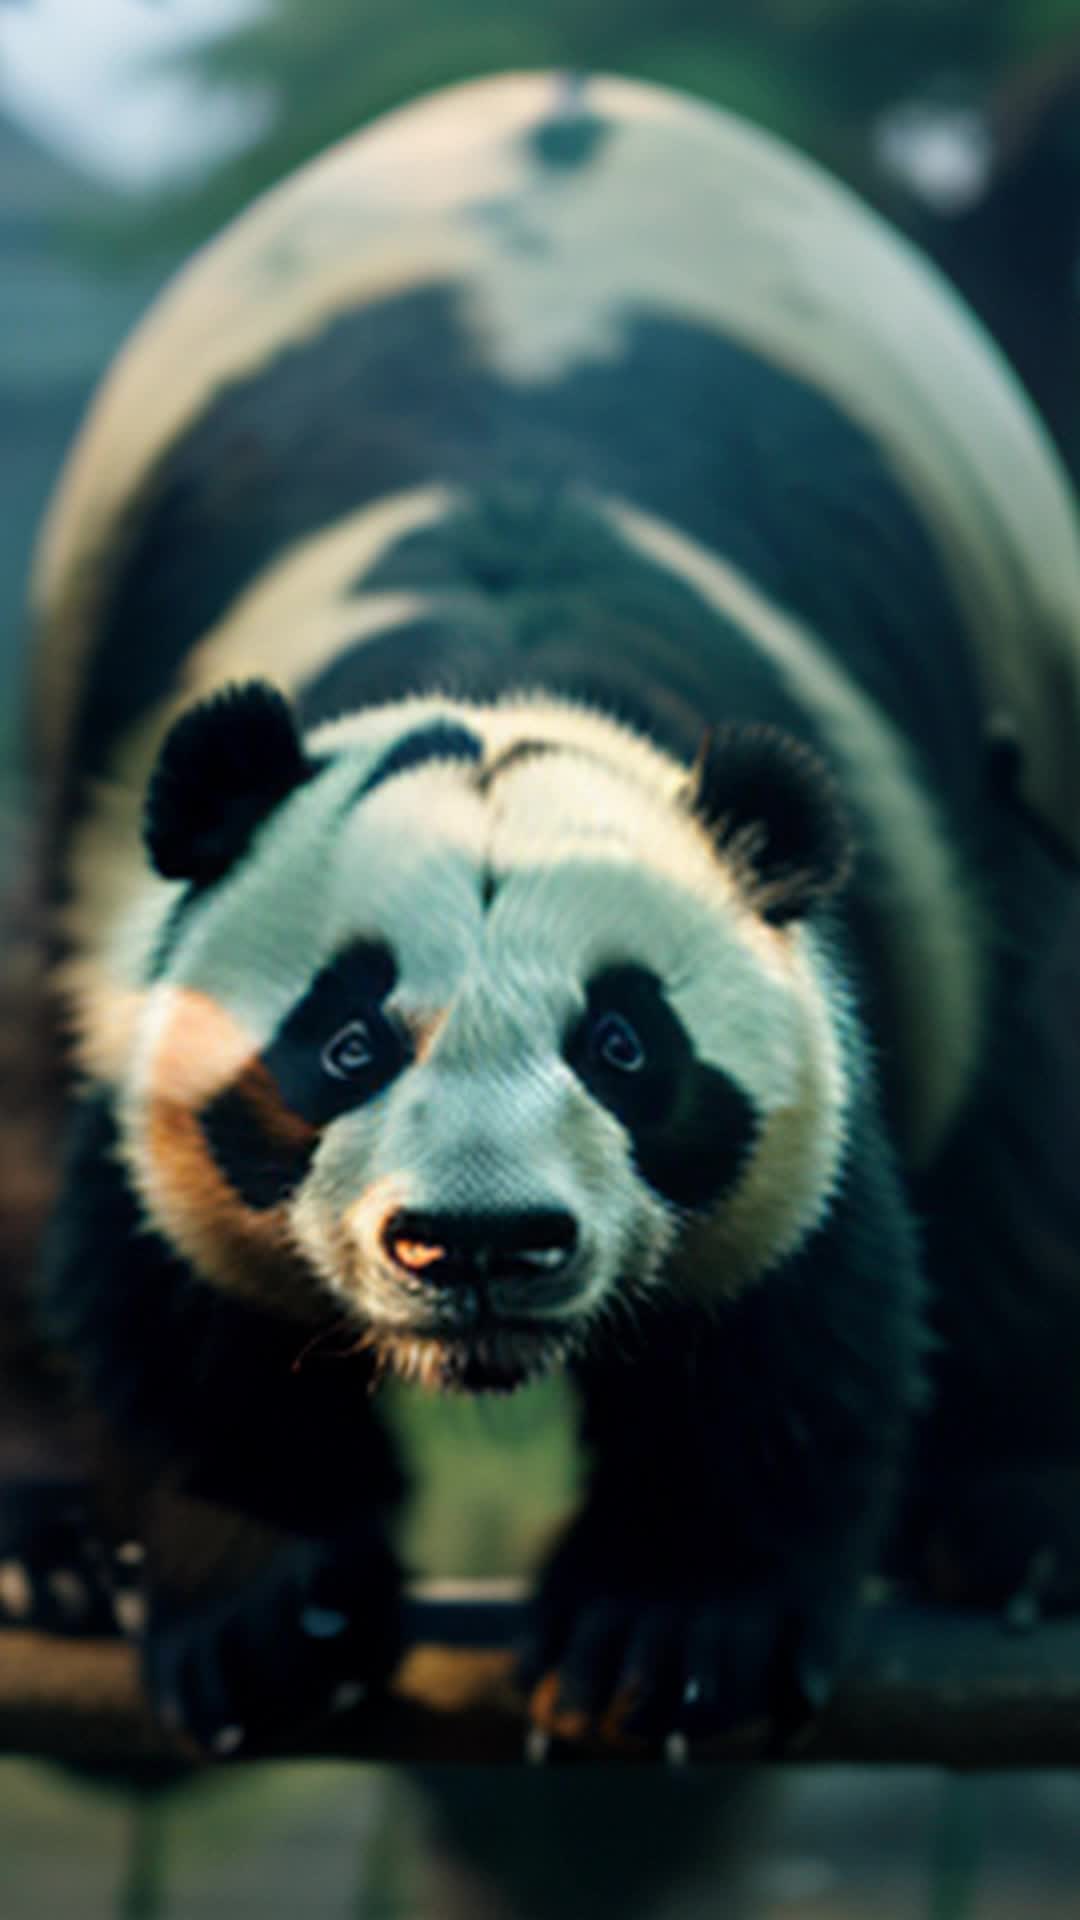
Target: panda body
(540,590)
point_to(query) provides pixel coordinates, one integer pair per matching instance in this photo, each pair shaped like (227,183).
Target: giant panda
(555,711)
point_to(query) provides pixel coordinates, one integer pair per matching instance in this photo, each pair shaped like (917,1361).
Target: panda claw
(130,1610)
(307,1635)
(16,1591)
(54,1567)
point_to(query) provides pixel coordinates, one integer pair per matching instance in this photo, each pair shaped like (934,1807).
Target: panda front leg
(271,1589)
(250,1633)
(744,1467)
(259,1486)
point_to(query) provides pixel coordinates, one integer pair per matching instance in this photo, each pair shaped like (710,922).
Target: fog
(88,77)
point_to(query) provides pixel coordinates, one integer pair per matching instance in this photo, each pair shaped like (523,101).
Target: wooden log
(928,1686)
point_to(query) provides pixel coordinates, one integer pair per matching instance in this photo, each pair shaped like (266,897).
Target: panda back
(601,280)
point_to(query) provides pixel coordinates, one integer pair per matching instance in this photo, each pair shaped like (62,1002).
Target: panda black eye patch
(691,1126)
(335,1050)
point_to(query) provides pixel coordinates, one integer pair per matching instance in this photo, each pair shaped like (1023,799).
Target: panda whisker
(372,1345)
(319,1343)
(617,1314)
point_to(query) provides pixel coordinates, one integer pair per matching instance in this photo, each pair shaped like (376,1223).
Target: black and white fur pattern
(550,664)
(544,860)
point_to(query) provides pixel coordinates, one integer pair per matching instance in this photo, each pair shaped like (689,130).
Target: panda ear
(224,767)
(775,811)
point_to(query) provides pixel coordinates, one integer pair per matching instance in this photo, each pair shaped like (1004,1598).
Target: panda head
(469,1027)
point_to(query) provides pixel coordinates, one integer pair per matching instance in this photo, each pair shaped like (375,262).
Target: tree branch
(929,1686)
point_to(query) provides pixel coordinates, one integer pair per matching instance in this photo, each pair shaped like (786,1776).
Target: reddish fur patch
(236,1247)
(201,1052)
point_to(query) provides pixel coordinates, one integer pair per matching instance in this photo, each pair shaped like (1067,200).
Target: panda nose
(449,1249)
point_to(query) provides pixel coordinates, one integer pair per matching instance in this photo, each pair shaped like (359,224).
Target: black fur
(262,1168)
(442,740)
(225,765)
(272,1651)
(766,796)
(691,1126)
(250,1409)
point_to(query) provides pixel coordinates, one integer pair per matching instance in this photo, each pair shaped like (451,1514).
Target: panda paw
(311,1634)
(56,1575)
(612,1665)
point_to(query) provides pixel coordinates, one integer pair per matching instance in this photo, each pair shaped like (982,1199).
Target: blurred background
(129,130)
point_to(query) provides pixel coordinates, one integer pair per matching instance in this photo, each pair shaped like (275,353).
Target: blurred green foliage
(491,1479)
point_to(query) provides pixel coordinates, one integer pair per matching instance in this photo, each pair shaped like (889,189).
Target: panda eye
(350,1051)
(613,1041)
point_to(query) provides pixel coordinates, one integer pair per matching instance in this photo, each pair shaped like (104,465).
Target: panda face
(474,1030)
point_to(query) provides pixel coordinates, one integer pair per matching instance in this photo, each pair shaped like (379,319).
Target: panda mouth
(487,1359)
